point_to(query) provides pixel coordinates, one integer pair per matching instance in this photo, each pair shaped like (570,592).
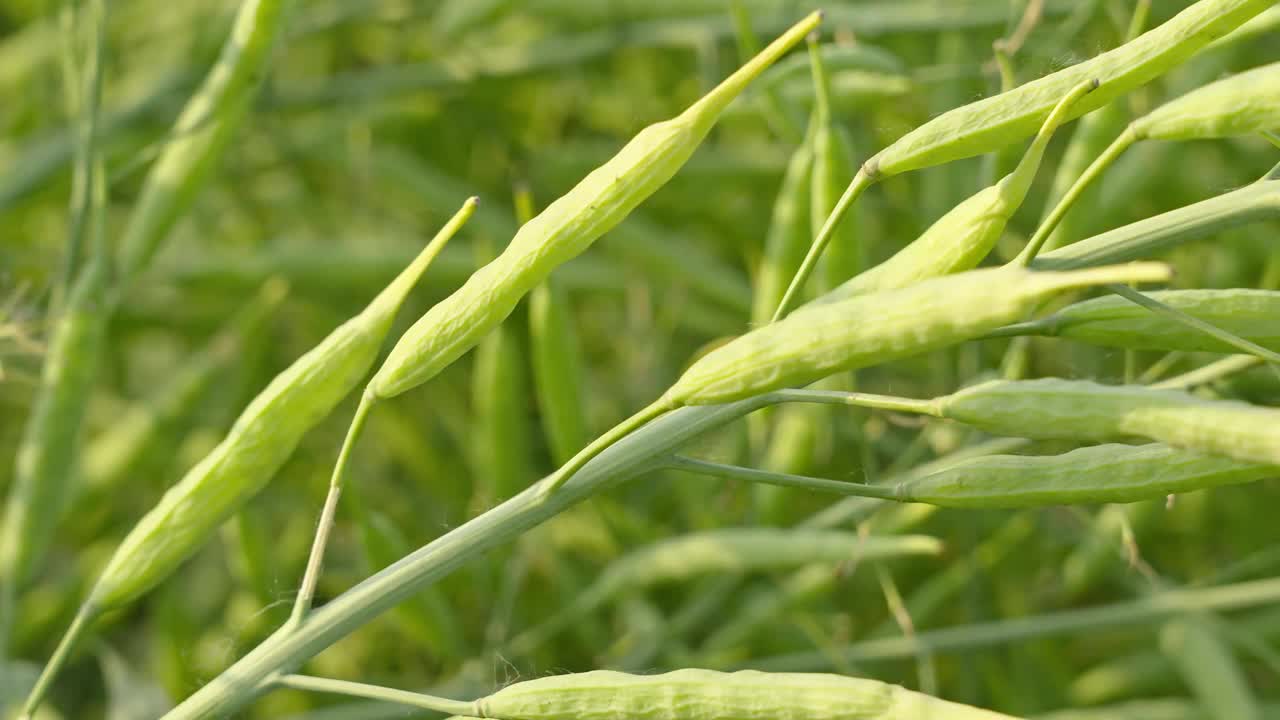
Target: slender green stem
(1091,173)
(1272,137)
(860,399)
(307,590)
(1151,608)
(863,180)
(80,625)
(377,692)
(737,472)
(659,407)
(1213,371)
(1203,326)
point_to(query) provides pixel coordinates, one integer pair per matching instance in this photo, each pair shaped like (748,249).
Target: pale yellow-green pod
(867,330)
(563,230)
(1241,104)
(695,694)
(1085,411)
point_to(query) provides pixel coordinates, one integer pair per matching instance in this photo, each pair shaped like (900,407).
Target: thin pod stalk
(259,442)
(397,290)
(961,238)
(992,123)
(202,132)
(1245,103)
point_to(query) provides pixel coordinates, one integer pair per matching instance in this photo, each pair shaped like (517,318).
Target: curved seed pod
(787,236)
(1097,474)
(46,455)
(712,695)
(201,133)
(500,391)
(719,551)
(994,122)
(1245,103)
(1113,321)
(1209,668)
(561,231)
(1083,410)
(871,329)
(960,239)
(259,442)
(557,370)
(991,123)
(1241,104)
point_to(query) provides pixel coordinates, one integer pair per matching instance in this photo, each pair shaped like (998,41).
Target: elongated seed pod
(557,370)
(870,329)
(994,122)
(563,230)
(787,235)
(259,442)
(991,123)
(719,551)
(201,133)
(1113,321)
(712,695)
(500,392)
(1241,104)
(961,238)
(46,455)
(1096,474)
(1083,410)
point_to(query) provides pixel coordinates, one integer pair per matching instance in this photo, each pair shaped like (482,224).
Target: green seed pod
(201,133)
(1084,411)
(712,695)
(1113,321)
(1241,104)
(871,329)
(787,236)
(1097,474)
(46,455)
(500,392)
(557,370)
(259,442)
(990,124)
(561,231)
(960,239)
(729,550)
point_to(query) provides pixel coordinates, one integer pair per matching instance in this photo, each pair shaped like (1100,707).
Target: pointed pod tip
(473,201)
